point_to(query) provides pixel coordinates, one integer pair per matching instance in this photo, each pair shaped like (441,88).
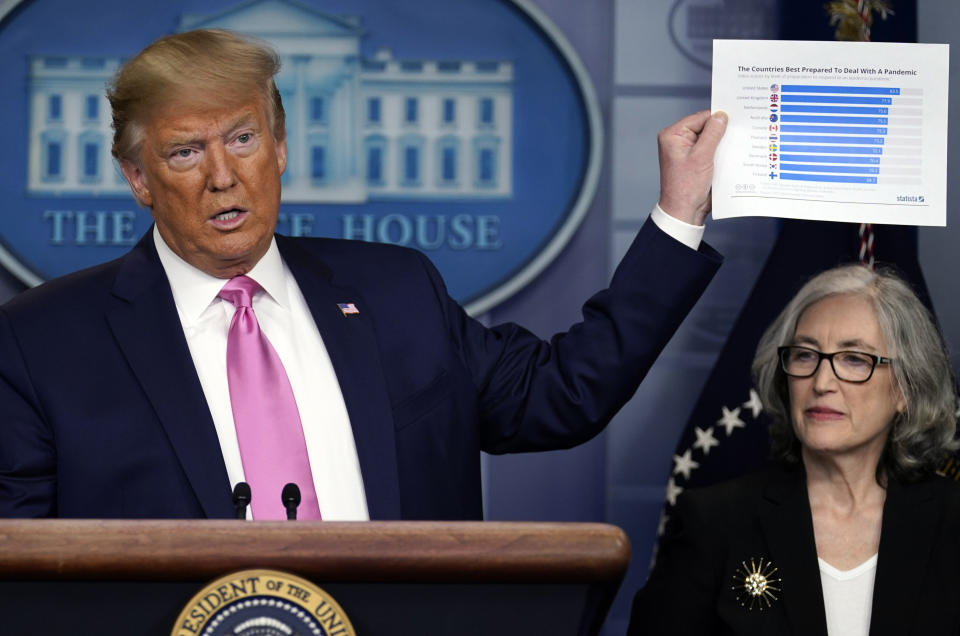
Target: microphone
(291,499)
(241,499)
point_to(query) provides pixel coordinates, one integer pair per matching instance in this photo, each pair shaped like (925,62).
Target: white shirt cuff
(689,235)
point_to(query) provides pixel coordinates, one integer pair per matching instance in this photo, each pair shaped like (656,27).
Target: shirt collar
(194,290)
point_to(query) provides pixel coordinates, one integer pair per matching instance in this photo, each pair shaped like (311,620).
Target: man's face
(211,179)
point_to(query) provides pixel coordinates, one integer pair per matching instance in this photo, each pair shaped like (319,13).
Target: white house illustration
(358,128)
(70,133)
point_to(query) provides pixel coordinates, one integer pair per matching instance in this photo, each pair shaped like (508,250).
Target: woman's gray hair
(923,436)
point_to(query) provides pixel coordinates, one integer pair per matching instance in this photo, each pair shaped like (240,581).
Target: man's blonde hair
(206,68)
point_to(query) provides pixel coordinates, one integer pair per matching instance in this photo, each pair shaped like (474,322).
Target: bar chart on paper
(848,140)
(849,134)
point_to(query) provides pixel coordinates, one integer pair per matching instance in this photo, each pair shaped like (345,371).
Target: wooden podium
(397,578)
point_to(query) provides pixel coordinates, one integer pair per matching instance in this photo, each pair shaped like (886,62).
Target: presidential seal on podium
(262,603)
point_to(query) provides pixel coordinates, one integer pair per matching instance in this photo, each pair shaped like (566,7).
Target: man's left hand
(686,164)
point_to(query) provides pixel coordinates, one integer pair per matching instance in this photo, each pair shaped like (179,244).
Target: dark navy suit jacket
(102,414)
(715,530)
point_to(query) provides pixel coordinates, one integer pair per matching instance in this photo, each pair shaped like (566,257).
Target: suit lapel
(148,331)
(788,529)
(351,343)
(910,518)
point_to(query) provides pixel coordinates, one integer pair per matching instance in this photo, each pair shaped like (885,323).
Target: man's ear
(138,185)
(282,154)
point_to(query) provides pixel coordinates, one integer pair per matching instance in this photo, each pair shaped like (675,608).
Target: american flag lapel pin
(348,309)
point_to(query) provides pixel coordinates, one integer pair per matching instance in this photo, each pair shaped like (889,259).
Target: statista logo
(911,198)
(467,130)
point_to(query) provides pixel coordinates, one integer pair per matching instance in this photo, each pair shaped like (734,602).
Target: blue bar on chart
(866,130)
(846,90)
(799,167)
(821,119)
(829,159)
(835,99)
(849,150)
(796,176)
(840,110)
(827,139)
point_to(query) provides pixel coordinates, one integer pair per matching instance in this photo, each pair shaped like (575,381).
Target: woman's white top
(848,597)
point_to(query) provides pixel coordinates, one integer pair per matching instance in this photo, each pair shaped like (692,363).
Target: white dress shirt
(285,319)
(689,235)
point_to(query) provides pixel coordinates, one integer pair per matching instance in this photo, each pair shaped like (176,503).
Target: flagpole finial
(854,18)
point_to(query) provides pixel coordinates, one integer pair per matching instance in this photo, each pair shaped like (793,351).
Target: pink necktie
(265,412)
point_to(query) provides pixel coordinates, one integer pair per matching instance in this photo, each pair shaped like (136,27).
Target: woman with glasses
(849,532)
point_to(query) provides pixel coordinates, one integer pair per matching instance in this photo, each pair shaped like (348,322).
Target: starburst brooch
(756,585)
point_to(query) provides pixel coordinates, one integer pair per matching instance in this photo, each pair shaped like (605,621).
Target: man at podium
(217,352)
